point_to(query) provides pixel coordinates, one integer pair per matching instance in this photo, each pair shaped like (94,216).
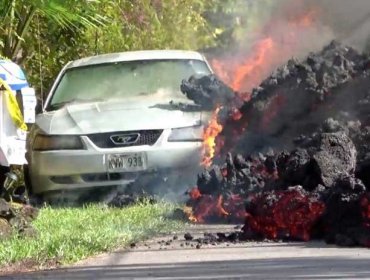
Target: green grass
(72,234)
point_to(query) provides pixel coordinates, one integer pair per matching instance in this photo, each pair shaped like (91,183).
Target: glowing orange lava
(279,40)
(206,206)
(209,138)
(236,114)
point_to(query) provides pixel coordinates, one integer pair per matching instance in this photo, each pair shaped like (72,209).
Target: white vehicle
(108,120)
(17,108)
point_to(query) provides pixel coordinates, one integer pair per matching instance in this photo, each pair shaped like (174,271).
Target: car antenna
(40,62)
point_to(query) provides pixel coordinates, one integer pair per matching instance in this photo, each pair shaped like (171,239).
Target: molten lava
(285,214)
(209,138)
(273,110)
(243,73)
(208,208)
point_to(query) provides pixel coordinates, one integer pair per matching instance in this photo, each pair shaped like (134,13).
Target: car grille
(144,137)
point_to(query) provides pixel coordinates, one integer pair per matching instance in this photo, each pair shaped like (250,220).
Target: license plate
(126,162)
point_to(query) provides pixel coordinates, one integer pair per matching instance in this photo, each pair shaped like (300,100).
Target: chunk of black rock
(234,236)
(188,236)
(210,236)
(221,236)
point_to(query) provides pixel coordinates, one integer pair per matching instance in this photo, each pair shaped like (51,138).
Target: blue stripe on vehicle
(18,86)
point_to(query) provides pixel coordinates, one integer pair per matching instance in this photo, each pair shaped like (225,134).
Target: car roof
(136,55)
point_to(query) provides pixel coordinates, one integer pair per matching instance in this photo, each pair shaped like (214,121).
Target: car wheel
(34,199)
(27,179)
(3,171)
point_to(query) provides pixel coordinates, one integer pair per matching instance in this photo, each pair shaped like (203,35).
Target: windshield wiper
(59,105)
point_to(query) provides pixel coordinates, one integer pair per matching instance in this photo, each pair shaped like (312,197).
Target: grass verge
(72,234)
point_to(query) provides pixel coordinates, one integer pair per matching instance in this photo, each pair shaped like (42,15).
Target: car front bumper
(79,169)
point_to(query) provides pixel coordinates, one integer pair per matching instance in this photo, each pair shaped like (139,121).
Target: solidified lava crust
(296,164)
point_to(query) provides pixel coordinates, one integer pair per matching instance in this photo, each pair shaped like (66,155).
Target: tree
(129,25)
(152,24)
(44,35)
(16,17)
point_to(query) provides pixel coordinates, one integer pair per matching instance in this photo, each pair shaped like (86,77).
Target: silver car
(110,119)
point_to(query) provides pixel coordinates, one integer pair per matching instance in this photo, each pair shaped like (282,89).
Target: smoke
(349,20)
(267,33)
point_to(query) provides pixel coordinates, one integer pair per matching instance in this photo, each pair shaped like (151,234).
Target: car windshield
(126,80)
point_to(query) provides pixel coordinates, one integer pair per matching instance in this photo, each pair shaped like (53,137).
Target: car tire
(27,179)
(3,171)
(34,199)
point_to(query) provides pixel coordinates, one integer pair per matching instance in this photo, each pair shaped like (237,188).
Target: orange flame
(188,211)
(249,68)
(246,71)
(206,206)
(194,193)
(249,73)
(209,207)
(307,19)
(209,138)
(275,47)
(218,66)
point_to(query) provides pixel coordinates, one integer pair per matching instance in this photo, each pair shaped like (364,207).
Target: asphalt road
(253,260)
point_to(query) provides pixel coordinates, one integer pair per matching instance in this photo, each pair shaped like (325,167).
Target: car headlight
(57,142)
(191,133)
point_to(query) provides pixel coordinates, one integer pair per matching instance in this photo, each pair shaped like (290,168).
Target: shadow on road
(282,268)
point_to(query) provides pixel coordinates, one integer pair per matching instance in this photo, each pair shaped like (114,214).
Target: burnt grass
(296,165)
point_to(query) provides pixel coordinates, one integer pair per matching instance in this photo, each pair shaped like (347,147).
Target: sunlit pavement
(254,260)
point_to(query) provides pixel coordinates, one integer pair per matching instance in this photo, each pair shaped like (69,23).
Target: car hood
(100,117)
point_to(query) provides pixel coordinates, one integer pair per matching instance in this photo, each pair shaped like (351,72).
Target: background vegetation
(42,36)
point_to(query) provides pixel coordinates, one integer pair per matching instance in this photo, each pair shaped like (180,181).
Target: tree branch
(21,30)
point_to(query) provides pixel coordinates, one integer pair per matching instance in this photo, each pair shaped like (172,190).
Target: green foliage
(235,22)
(152,24)
(128,25)
(71,234)
(17,16)
(44,35)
